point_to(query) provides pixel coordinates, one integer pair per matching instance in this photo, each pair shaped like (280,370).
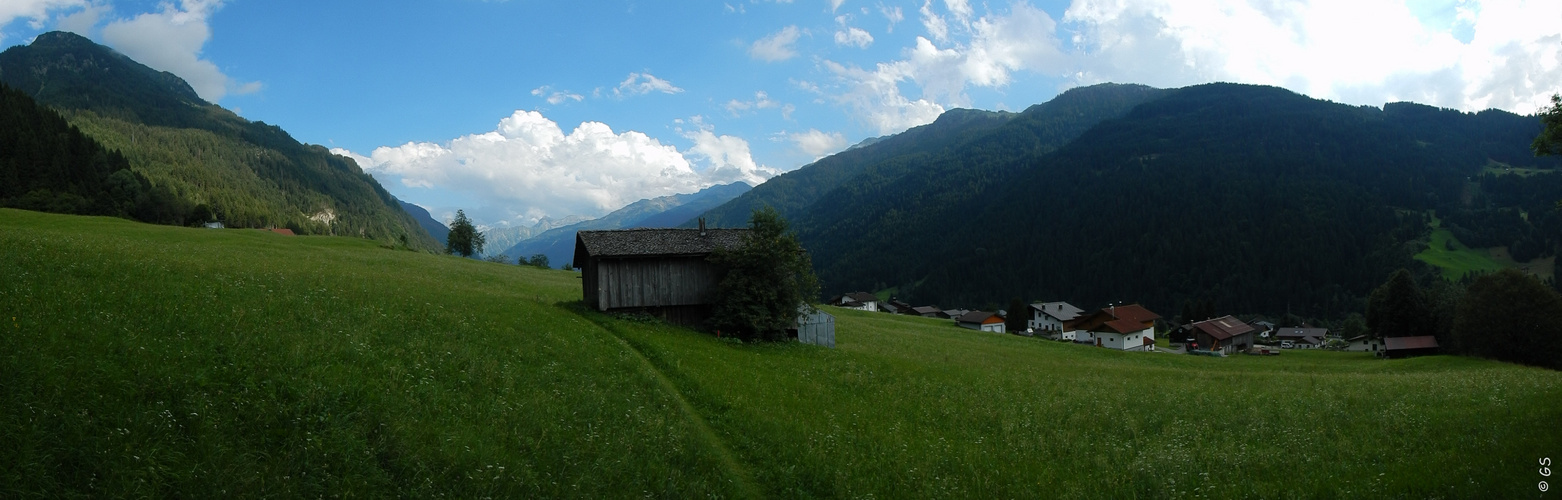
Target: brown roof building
(1402,347)
(1127,327)
(1226,334)
(983,321)
(662,272)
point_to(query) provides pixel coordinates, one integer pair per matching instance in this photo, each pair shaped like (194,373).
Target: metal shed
(815,327)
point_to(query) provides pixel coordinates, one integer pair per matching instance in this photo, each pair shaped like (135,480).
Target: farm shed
(1404,347)
(662,272)
(815,327)
(1226,334)
(1363,343)
(983,321)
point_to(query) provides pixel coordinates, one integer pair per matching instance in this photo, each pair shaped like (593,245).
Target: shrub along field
(161,361)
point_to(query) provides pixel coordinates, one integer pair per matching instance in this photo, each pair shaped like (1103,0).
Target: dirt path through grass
(742,480)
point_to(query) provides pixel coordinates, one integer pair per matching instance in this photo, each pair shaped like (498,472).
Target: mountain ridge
(1318,202)
(246,174)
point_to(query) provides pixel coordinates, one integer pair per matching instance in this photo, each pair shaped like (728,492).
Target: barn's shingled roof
(1224,327)
(656,242)
(1421,342)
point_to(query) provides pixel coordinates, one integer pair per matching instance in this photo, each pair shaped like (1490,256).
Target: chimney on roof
(702,226)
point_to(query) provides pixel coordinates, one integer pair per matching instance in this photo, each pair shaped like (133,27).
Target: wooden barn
(661,272)
(1225,334)
(1404,347)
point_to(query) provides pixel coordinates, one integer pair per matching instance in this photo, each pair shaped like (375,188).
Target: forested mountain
(665,211)
(795,191)
(1255,198)
(50,166)
(246,174)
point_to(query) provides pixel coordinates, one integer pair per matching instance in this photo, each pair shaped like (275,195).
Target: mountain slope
(1257,198)
(249,174)
(435,228)
(666,211)
(48,165)
(795,191)
(916,196)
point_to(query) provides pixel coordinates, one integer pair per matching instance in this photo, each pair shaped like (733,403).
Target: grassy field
(1454,259)
(155,361)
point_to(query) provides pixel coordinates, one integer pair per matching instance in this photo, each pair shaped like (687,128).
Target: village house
(1404,347)
(1363,343)
(1225,334)
(861,301)
(926,311)
(1264,329)
(982,321)
(953,314)
(661,272)
(1047,319)
(1129,327)
(1303,338)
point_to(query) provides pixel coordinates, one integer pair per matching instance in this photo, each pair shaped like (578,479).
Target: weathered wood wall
(650,282)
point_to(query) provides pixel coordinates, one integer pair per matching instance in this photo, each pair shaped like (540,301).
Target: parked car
(1286,344)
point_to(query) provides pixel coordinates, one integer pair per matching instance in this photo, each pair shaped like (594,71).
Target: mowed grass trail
(155,361)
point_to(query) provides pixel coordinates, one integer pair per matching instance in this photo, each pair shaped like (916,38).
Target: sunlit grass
(1454,259)
(153,361)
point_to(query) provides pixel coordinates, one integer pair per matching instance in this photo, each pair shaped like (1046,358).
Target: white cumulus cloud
(37,12)
(645,83)
(171,40)
(874,96)
(528,168)
(818,144)
(853,36)
(990,50)
(556,97)
(777,46)
(1358,51)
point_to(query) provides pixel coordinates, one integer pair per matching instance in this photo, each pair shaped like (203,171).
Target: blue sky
(516,110)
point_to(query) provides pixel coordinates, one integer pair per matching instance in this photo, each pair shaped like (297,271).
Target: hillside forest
(207,163)
(1253,199)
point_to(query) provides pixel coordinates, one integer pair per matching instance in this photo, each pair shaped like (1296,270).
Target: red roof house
(1130,327)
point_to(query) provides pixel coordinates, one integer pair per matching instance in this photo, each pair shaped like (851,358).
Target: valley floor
(143,360)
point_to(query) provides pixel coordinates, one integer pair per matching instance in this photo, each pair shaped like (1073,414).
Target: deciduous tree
(1397,308)
(464,240)
(1549,142)
(764,282)
(1511,316)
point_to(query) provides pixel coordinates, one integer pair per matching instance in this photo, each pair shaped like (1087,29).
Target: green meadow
(143,360)
(1454,258)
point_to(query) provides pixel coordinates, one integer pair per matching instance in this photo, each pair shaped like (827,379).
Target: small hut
(661,272)
(815,327)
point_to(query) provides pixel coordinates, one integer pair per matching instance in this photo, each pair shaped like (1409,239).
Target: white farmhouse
(1047,319)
